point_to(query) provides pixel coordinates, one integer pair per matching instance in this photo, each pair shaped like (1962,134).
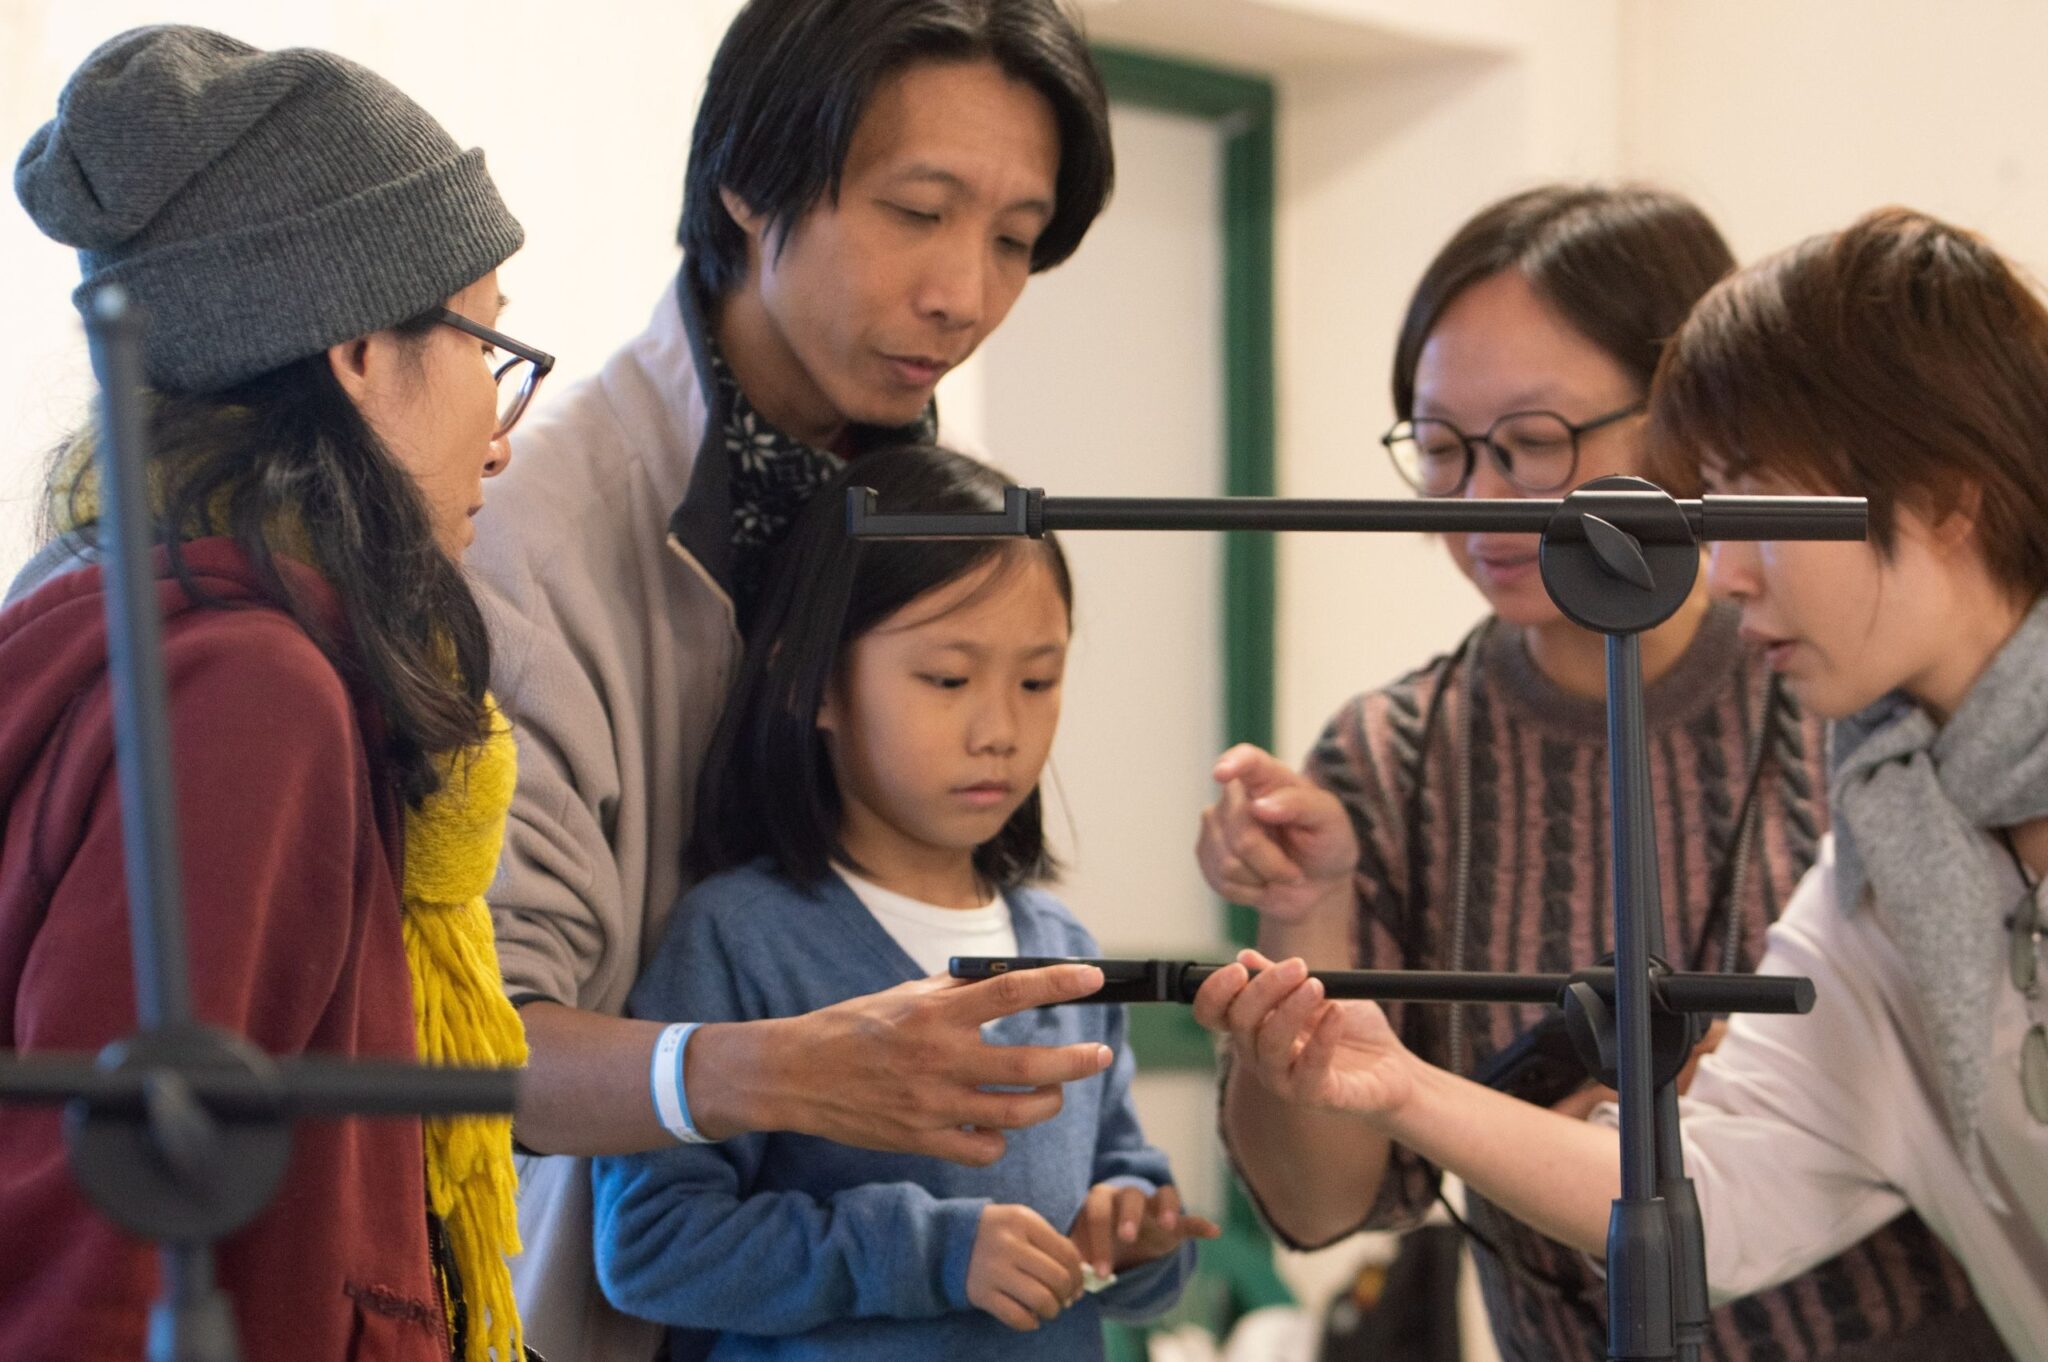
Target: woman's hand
(1274,840)
(1022,1270)
(1303,1047)
(1121,1227)
(1310,1052)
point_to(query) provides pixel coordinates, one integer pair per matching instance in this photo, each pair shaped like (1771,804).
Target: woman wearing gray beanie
(316,262)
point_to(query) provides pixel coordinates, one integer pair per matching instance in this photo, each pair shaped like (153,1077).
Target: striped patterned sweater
(1533,857)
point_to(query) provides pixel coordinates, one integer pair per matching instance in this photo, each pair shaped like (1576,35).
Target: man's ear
(737,208)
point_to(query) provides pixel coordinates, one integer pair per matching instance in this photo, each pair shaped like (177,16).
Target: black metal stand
(181,1132)
(1619,556)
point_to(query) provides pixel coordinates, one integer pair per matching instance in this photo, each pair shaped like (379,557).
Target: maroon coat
(290,840)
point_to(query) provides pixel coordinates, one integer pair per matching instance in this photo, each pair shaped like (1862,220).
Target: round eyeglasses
(1536,451)
(518,368)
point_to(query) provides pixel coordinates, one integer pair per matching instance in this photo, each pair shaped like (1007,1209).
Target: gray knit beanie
(259,206)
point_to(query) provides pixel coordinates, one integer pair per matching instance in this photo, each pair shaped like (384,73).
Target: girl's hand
(1022,1271)
(1336,1056)
(1275,840)
(1121,1227)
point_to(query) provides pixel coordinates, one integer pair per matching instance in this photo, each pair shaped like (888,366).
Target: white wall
(1785,120)
(1106,381)
(584,110)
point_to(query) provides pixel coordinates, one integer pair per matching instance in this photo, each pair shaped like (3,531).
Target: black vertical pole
(192,1321)
(1639,1322)
(149,835)
(1689,1302)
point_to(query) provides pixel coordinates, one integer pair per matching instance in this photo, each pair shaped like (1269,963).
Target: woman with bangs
(1903,360)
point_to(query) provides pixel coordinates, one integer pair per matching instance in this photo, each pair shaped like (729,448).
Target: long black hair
(286,466)
(767,788)
(792,79)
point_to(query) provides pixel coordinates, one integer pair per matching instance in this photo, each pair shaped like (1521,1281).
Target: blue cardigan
(788,1246)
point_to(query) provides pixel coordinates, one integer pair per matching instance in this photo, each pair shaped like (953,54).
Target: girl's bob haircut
(768,787)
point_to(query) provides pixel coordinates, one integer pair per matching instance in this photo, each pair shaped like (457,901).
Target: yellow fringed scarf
(451,852)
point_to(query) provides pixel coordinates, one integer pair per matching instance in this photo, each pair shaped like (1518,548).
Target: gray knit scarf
(1911,804)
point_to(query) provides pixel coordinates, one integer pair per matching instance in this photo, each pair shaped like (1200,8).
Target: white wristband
(665,1078)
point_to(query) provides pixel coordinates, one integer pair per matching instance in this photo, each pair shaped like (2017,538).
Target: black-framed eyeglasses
(1537,451)
(523,365)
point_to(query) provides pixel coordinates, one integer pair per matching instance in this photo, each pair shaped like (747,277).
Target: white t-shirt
(932,935)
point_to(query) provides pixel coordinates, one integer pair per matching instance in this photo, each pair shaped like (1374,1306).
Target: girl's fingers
(1034,1295)
(1013,1312)
(1094,1241)
(1064,1254)
(1056,1283)
(1165,1207)
(1198,1227)
(1130,1214)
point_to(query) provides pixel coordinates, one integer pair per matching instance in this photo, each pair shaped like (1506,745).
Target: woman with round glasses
(316,265)
(1457,818)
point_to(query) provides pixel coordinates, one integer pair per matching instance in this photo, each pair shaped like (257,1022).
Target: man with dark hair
(870,185)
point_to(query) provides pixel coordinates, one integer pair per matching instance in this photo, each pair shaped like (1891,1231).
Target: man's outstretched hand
(906,1070)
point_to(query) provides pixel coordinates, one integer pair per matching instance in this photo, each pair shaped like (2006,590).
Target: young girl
(870,808)
(1901,360)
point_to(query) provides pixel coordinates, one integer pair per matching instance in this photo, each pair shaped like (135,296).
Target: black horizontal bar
(1672,992)
(1836,518)
(1408,515)
(1176,981)
(302,1087)
(1029,511)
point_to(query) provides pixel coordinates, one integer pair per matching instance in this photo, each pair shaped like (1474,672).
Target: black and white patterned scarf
(772,475)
